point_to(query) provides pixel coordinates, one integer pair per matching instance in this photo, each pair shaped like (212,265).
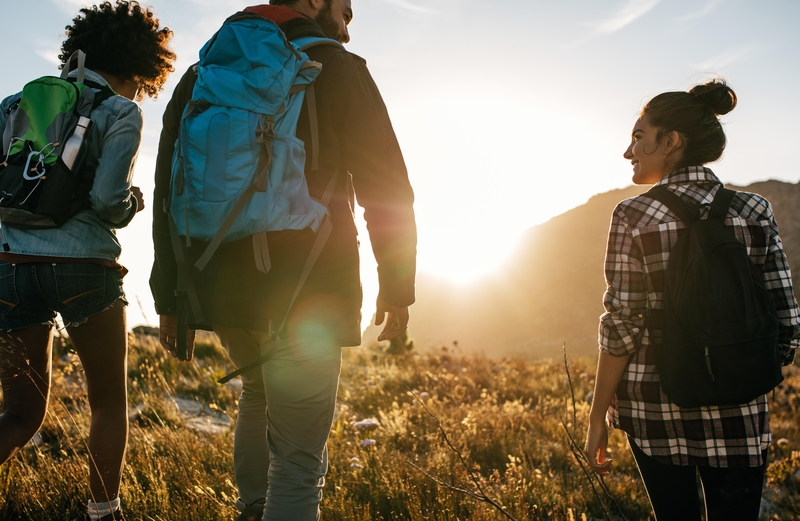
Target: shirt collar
(89,75)
(690,174)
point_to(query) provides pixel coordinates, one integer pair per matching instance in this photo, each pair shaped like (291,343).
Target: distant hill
(551,292)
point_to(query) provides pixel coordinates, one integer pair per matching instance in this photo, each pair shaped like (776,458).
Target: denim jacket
(90,234)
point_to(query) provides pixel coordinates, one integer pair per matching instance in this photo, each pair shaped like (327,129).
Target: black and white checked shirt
(639,241)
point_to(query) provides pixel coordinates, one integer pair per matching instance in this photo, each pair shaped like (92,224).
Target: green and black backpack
(45,173)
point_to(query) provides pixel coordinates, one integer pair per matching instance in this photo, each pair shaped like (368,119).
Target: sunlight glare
(483,175)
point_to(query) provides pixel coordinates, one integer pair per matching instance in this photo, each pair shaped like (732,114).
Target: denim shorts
(32,293)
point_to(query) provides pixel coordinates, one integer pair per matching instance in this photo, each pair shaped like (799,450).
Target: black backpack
(720,335)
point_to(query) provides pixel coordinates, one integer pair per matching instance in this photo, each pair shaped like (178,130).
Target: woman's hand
(596,445)
(609,373)
(137,194)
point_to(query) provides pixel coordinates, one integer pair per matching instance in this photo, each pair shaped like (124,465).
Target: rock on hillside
(551,292)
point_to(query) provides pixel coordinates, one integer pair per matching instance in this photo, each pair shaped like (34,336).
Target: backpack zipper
(708,366)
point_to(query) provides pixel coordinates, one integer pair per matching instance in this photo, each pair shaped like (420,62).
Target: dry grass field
(506,455)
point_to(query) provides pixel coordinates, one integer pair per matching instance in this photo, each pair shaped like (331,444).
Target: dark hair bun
(717,95)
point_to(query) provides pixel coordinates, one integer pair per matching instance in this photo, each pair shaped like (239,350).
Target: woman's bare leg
(102,345)
(25,361)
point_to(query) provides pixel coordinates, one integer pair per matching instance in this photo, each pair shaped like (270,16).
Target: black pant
(732,494)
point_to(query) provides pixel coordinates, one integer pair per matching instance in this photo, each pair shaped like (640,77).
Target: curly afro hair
(125,41)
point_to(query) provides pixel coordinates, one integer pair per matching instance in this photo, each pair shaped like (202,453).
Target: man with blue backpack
(266,144)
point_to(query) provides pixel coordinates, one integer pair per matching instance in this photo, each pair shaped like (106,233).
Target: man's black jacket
(358,142)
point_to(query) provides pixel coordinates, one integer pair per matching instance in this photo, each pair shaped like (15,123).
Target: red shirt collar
(277,13)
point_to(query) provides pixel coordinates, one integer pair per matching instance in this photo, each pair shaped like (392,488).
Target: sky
(508,112)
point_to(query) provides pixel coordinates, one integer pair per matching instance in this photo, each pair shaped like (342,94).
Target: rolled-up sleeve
(778,281)
(111,194)
(625,299)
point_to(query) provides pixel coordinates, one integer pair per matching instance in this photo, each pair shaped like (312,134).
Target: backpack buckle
(265,134)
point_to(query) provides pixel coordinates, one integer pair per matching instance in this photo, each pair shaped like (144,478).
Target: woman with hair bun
(676,134)
(73,269)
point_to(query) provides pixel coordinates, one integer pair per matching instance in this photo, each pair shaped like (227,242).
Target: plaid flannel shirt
(642,233)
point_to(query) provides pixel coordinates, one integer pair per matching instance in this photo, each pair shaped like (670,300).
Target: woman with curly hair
(724,441)
(73,269)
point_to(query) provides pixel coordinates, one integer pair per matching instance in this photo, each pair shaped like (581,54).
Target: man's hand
(137,194)
(168,334)
(396,324)
(596,445)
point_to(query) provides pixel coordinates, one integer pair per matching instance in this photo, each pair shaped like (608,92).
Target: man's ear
(317,5)
(309,7)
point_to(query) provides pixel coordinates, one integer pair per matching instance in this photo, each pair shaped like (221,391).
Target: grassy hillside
(551,290)
(508,419)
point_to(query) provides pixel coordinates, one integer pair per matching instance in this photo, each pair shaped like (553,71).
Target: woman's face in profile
(646,154)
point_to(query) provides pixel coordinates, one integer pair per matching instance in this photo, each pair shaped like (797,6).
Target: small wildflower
(368,424)
(783,442)
(356,466)
(354,460)
(424,396)
(367,443)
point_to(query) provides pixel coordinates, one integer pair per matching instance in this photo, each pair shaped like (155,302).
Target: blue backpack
(238,169)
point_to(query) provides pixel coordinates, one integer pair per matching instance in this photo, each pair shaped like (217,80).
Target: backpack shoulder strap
(307,42)
(101,92)
(685,211)
(721,204)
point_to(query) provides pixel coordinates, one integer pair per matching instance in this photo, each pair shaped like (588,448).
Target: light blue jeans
(285,414)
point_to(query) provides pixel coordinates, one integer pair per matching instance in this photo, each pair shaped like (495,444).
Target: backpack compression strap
(316,250)
(258,182)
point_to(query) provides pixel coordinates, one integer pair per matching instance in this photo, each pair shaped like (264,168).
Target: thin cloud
(631,12)
(405,4)
(49,55)
(726,58)
(634,10)
(705,11)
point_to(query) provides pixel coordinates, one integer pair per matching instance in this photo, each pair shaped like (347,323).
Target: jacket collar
(690,174)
